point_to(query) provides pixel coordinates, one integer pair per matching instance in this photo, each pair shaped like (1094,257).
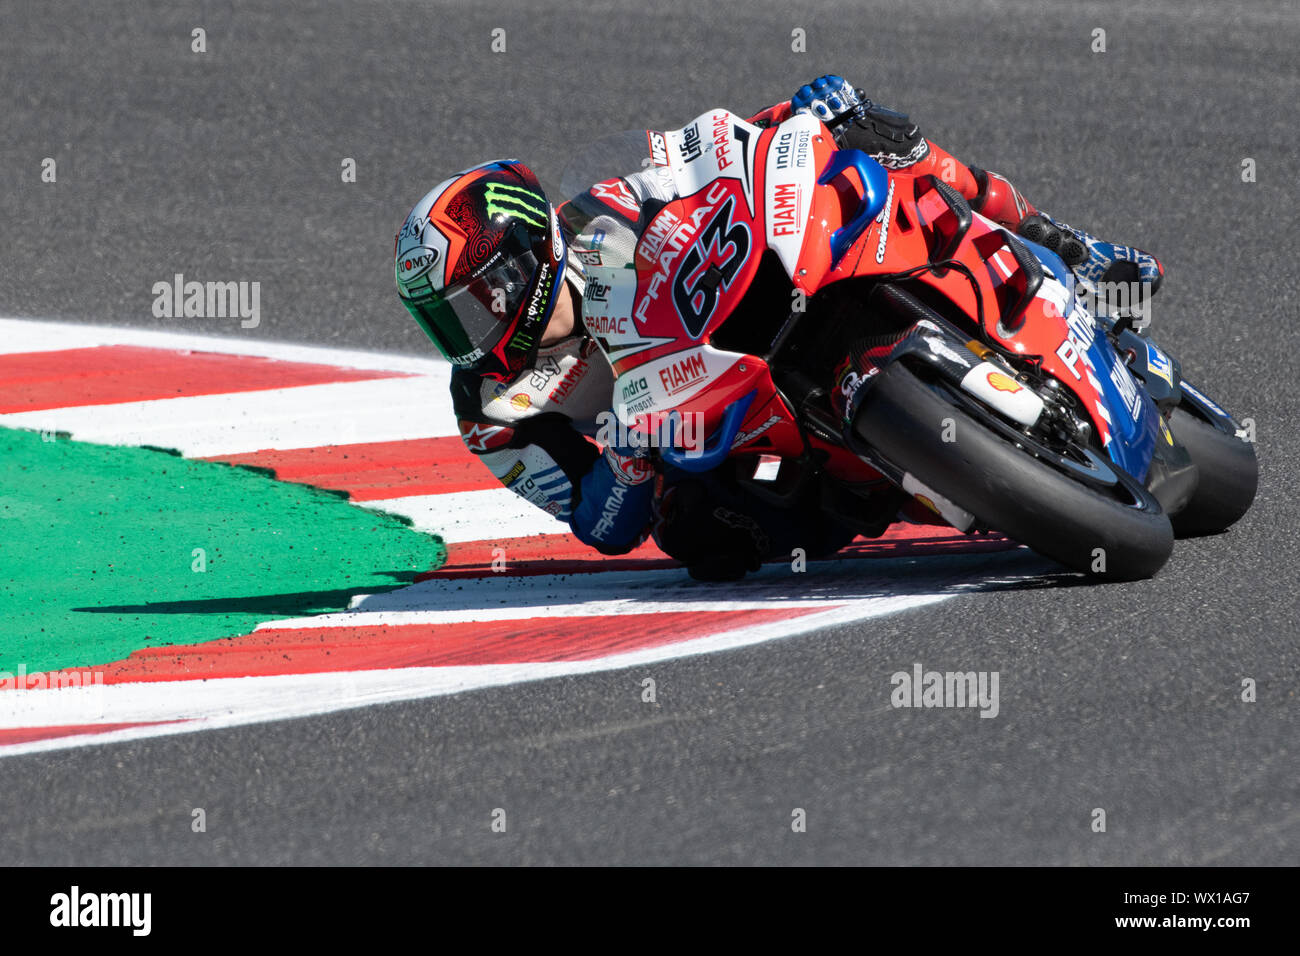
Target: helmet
(479,264)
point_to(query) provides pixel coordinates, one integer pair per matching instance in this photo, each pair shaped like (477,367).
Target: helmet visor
(468,322)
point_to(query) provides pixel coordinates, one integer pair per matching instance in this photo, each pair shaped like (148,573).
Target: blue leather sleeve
(612,516)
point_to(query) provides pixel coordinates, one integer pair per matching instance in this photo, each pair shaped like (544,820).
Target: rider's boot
(1097,265)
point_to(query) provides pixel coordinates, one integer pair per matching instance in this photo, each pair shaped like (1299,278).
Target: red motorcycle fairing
(695,260)
(1041,331)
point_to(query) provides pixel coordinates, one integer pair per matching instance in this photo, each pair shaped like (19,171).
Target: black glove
(715,542)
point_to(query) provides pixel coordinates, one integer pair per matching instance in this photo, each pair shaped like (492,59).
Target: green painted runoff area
(104,550)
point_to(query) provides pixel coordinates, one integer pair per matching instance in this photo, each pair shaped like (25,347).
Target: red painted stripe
(381,647)
(565,554)
(24,735)
(372,471)
(918,541)
(542,554)
(111,374)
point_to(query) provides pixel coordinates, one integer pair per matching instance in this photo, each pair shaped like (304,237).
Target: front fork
(1173,476)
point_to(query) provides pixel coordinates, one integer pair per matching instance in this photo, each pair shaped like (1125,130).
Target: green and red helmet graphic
(478,264)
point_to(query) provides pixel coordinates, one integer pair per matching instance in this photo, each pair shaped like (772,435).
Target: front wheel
(1229,476)
(1060,509)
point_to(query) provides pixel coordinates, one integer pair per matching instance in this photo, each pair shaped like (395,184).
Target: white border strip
(233,702)
(29,335)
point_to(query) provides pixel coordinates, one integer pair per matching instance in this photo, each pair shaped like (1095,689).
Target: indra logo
(791,149)
(634,388)
(516,201)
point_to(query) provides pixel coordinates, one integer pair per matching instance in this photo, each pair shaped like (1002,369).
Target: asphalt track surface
(1125,697)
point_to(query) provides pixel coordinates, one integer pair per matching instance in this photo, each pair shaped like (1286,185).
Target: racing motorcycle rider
(484,264)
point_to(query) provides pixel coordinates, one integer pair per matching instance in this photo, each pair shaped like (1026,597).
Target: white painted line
(835,581)
(305,416)
(230,702)
(27,335)
(484,615)
(487,515)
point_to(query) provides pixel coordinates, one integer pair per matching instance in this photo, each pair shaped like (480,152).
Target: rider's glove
(831,99)
(716,543)
(616,503)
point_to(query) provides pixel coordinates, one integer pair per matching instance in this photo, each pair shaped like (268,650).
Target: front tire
(1009,490)
(1229,476)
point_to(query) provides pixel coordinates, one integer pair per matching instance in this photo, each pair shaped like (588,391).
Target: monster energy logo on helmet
(516,201)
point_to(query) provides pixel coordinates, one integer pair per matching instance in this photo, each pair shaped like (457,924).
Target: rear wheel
(1074,508)
(1229,476)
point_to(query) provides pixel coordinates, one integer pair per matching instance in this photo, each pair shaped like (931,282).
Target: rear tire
(1229,476)
(1008,489)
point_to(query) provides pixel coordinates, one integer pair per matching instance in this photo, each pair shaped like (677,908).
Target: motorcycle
(1002,401)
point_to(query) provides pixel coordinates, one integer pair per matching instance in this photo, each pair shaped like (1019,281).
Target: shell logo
(1004,383)
(928,503)
(521,401)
